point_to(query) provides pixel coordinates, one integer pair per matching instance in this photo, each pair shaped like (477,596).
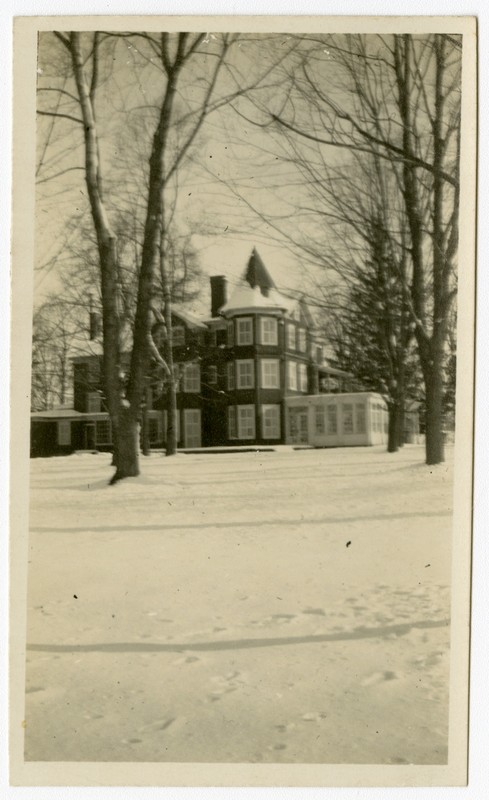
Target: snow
(287,606)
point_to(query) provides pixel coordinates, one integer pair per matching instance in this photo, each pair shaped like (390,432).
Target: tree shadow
(239,644)
(243,523)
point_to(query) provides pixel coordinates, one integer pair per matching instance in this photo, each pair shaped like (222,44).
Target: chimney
(218,293)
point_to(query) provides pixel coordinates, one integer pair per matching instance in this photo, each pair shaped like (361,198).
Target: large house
(254,373)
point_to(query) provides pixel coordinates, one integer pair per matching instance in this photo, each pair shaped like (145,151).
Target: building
(254,373)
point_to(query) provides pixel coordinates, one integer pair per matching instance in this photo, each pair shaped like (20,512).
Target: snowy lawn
(254,607)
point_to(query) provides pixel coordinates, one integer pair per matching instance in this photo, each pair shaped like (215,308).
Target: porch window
(347,418)
(360,418)
(319,419)
(64,432)
(332,420)
(103,431)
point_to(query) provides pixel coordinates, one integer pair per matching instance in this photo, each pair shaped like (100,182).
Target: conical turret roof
(257,274)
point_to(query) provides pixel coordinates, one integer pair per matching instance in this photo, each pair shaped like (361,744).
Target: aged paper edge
(150,774)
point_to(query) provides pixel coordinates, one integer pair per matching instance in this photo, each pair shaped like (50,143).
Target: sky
(233,157)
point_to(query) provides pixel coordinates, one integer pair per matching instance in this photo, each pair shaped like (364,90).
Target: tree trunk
(435,437)
(400,424)
(393,429)
(171,428)
(145,445)
(127,446)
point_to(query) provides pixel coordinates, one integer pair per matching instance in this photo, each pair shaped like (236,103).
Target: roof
(334,371)
(56,413)
(190,320)
(256,274)
(245,298)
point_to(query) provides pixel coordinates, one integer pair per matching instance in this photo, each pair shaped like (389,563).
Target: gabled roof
(257,274)
(192,322)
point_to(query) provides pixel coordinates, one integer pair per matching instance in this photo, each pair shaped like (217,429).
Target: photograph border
(120,774)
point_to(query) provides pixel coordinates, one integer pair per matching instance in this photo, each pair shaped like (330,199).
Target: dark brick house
(235,371)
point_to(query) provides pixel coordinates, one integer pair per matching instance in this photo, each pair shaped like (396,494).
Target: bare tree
(176,54)
(394,99)
(176,79)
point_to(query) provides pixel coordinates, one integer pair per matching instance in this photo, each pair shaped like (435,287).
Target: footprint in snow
(157,725)
(187,659)
(380,677)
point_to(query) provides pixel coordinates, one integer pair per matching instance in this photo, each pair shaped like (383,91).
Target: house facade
(245,376)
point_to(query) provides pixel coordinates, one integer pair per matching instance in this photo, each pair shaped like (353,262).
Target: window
(245,374)
(212,374)
(292,375)
(244,331)
(319,419)
(94,371)
(64,432)
(360,417)
(154,429)
(103,432)
(191,378)
(290,336)
(268,330)
(303,377)
(232,429)
(301,339)
(231,334)
(191,427)
(176,422)
(270,422)
(246,422)
(270,373)
(221,337)
(230,374)
(347,418)
(93,402)
(178,334)
(332,417)
(319,354)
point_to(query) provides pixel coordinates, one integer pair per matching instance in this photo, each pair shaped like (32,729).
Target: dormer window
(178,335)
(301,340)
(244,331)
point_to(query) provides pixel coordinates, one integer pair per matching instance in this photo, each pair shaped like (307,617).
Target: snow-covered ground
(257,607)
